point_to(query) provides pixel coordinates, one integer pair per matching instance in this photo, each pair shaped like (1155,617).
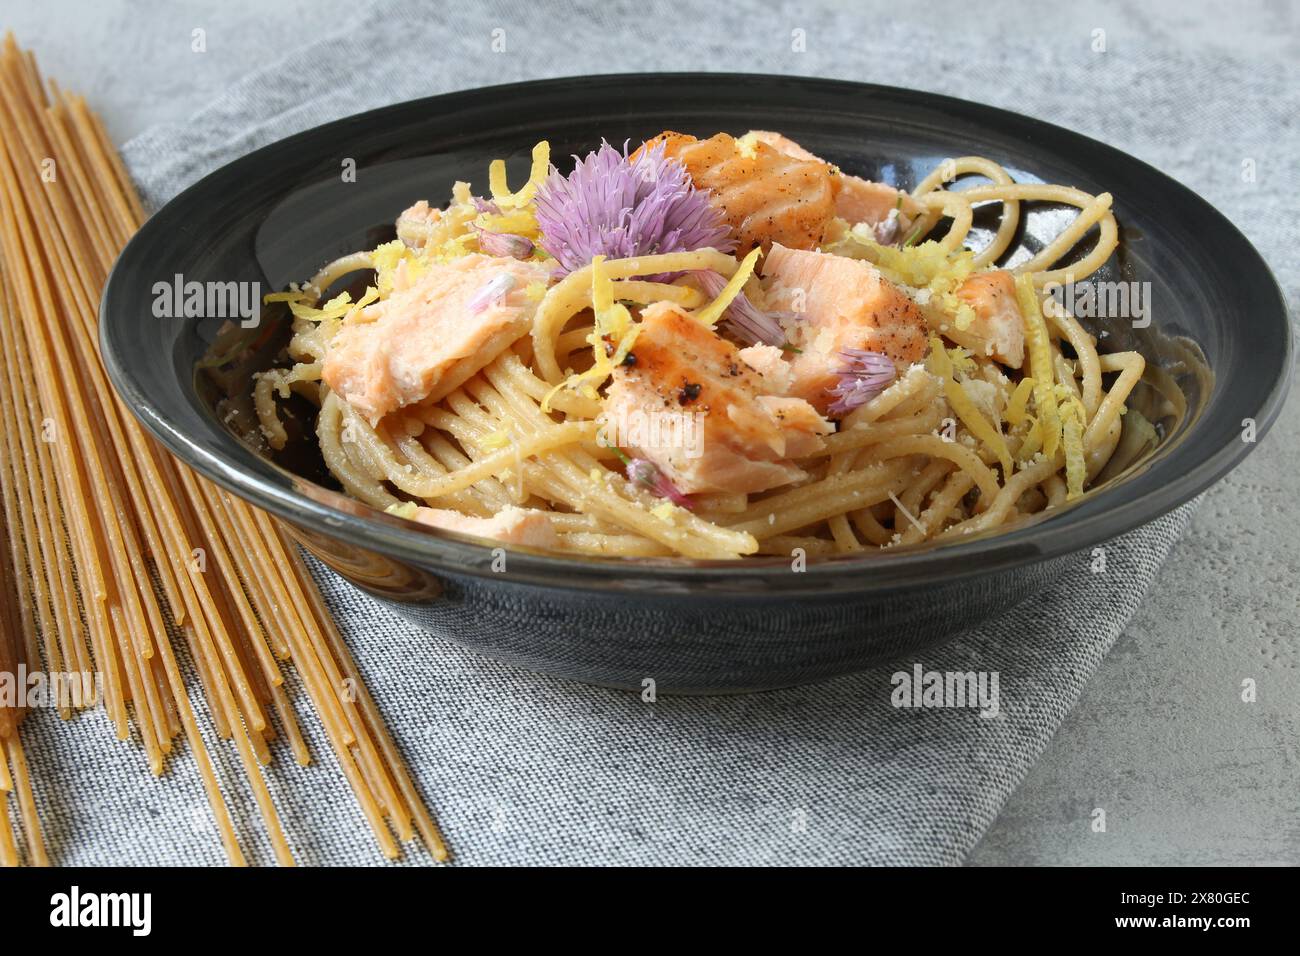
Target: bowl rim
(1081,526)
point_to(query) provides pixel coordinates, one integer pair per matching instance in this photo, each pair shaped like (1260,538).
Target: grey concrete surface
(1186,771)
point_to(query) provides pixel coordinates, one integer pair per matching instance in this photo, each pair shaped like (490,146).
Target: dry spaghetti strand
(99,513)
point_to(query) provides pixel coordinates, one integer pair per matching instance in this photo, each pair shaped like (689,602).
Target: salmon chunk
(890,211)
(840,303)
(765,195)
(416,223)
(429,336)
(769,362)
(510,525)
(997,323)
(746,434)
(858,200)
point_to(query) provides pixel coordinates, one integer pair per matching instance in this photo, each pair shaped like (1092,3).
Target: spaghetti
(970,430)
(96,513)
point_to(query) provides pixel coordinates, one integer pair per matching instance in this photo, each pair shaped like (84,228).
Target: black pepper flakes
(688,393)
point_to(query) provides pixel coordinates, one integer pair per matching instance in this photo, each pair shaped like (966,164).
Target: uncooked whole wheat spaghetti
(108,540)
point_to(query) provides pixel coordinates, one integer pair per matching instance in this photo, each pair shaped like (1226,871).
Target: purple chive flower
(647,474)
(619,207)
(506,244)
(747,322)
(864,375)
(886,231)
(493,292)
(485,205)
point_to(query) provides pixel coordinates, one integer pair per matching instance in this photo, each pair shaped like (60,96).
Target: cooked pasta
(877,379)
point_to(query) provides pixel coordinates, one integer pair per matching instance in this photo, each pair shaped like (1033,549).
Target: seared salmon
(769,362)
(858,200)
(840,303)
(429,336)
(511,525)
(765,195)
(748,434)
(997,323)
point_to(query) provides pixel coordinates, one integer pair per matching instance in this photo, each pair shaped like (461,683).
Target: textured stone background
(1186,771)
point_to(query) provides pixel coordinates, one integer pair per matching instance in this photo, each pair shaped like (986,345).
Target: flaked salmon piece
(803,425)
(426,339)
(747,435)
(840,303)
(765,195)
(510,525)
(781,143)
(889,211)
(416,223)
(769,362)
(858,200)
(997,323)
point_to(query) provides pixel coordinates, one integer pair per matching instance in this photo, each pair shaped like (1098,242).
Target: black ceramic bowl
(1218,343)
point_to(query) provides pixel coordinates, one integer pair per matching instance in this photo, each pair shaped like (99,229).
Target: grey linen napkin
(522,768)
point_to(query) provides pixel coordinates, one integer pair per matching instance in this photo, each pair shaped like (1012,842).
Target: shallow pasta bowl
(1218,345)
